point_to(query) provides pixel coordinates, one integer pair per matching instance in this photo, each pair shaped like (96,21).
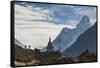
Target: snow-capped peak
(68,36)
(85,22)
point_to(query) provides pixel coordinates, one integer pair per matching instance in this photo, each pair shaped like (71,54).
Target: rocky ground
(24,57)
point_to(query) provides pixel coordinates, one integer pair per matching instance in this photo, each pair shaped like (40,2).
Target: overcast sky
(35,22)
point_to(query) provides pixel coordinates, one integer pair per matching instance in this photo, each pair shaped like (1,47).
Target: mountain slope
(24,57)
(85,41)
(18,43)
(68,36)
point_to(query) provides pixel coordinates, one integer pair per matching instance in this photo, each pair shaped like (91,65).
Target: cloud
(32,26)
(72,23)
(29,13)
(89,11)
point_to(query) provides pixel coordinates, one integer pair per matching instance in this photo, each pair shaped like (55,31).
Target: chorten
(49,46)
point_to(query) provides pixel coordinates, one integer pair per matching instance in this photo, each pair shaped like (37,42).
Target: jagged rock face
(86,41)
(68,36)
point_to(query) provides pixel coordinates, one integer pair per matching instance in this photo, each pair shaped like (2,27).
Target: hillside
(24,56)
(69,36)
(86,41)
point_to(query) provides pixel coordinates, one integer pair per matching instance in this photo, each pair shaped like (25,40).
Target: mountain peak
(68,36)
(85,17)
(85,21)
